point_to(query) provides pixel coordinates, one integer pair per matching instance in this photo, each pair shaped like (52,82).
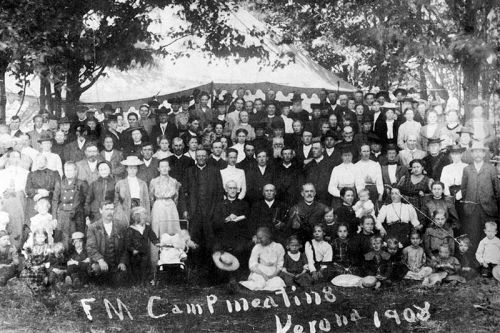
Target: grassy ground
(451,309)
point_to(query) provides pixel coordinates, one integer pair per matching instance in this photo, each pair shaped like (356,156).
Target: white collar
(319,159)
(269,203)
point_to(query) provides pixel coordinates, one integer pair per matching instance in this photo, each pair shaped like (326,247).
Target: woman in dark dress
(102,189)
(415,186)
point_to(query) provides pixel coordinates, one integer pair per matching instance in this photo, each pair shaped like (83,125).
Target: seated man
(106,246)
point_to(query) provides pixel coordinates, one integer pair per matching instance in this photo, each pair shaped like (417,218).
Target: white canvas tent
(168,77)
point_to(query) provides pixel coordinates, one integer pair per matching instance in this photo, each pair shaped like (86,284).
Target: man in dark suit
(387,131)
(149,169)
(87,168)
(201,111)
(480,193)
(215,158)
(318,172)
(257,177)
(331,154)
(106,246)
(249,161)
(179,162)
(202,189)
(112,124)
(113,156)
(270,213)
(165,128)
(392,171)
(303,154)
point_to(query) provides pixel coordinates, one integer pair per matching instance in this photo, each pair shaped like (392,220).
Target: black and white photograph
(249,166)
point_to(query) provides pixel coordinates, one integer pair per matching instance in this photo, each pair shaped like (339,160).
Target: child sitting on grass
(342,252)
(361,242)
(295,265)
(319,255)
(37,260)
(9,259)
(398,267)
(265,263)
(445,263)
(330,221)
(78,263)
(467,259)
(415,259)
(57,269)
(377,261)
(42,221)
(437,234)
(138,239)
(488,250)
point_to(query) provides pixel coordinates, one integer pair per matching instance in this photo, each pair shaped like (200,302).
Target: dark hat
(285,104)
(162,110)
(391,146)
(112,117)
(154,103)
(45,137)
(366,119)
(315,106)
(296,98)
(146,143)
(373,138)
(402,91)
(64,120)
(308,127)
(82,128)
(384,94)
(185,99)
(81,108)
(329,134)
(260,150)
(457,149)
(221,102)
(174,100)
(261,125)
(466,130)
(107,107)
(410,100)
(275,103)
(434,140)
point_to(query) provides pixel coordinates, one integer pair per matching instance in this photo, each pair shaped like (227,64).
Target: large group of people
(258,190)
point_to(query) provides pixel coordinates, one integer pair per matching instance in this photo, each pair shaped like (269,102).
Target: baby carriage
(172,256)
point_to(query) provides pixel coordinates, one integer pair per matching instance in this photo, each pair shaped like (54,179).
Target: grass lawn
(451,309)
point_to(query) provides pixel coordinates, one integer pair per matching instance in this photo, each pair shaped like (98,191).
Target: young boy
(467,259)
(78,263)
(398,267)
(319,255)
(377,261)
(488,250)
(138,240)
(9,259)
(446,263)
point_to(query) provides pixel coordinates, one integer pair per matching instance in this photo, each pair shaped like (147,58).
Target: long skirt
(15,207)
(164,219)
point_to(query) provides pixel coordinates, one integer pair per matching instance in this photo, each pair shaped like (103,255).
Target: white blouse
(397,212)
(368,173)
(452,175)
(343,175)
(135,189)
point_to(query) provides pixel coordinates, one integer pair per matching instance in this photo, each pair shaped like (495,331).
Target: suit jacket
(401,170)
(214,194)
(147,173)
(69,197)
(206,117)
(261,215)
(256,181)
(123,200)
(117,139)
(381,132)
(99,191)
(84,172)
(319,175)
(482,187)
(288,183)
(71,152)
(34,136)
(220,164)
(178,166)
(117,169)
(171,132)
(96,242)
(299,154)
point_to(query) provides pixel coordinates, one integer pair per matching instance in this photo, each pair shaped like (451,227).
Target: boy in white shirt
(488,250)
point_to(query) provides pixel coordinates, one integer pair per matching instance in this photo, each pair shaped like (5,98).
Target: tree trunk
(422,80)
(3,95)
(471,69)
(73,92)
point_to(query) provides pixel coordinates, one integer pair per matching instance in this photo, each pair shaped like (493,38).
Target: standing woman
(480,192)
(130,192)
(415,186)
(12,188)
(431,130)
(99,191)
(481,127)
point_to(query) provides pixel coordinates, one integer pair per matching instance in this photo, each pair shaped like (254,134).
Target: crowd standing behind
(360,189)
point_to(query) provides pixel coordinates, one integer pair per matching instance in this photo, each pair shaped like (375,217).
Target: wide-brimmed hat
(77,235)
(132,161)
(296,98)
(388,105)
(225,261)
(434,140)
(107,107)
(478,145)
(384,94)
(403,91)
(45,137)
(457,149)
(466,130)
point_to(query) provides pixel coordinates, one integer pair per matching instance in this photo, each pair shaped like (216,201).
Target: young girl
(438,234)
(398,267)
(345,213)
(319,256)
(37,260)
(78,263)
(342,252)
(266,262)
(164,150)
(138,240)
(57,269)
(361,243)
(42,221)
(415,259)
(445,263)
(467,260)
(377,262)
(330,225)
(364,206)
(295,265)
